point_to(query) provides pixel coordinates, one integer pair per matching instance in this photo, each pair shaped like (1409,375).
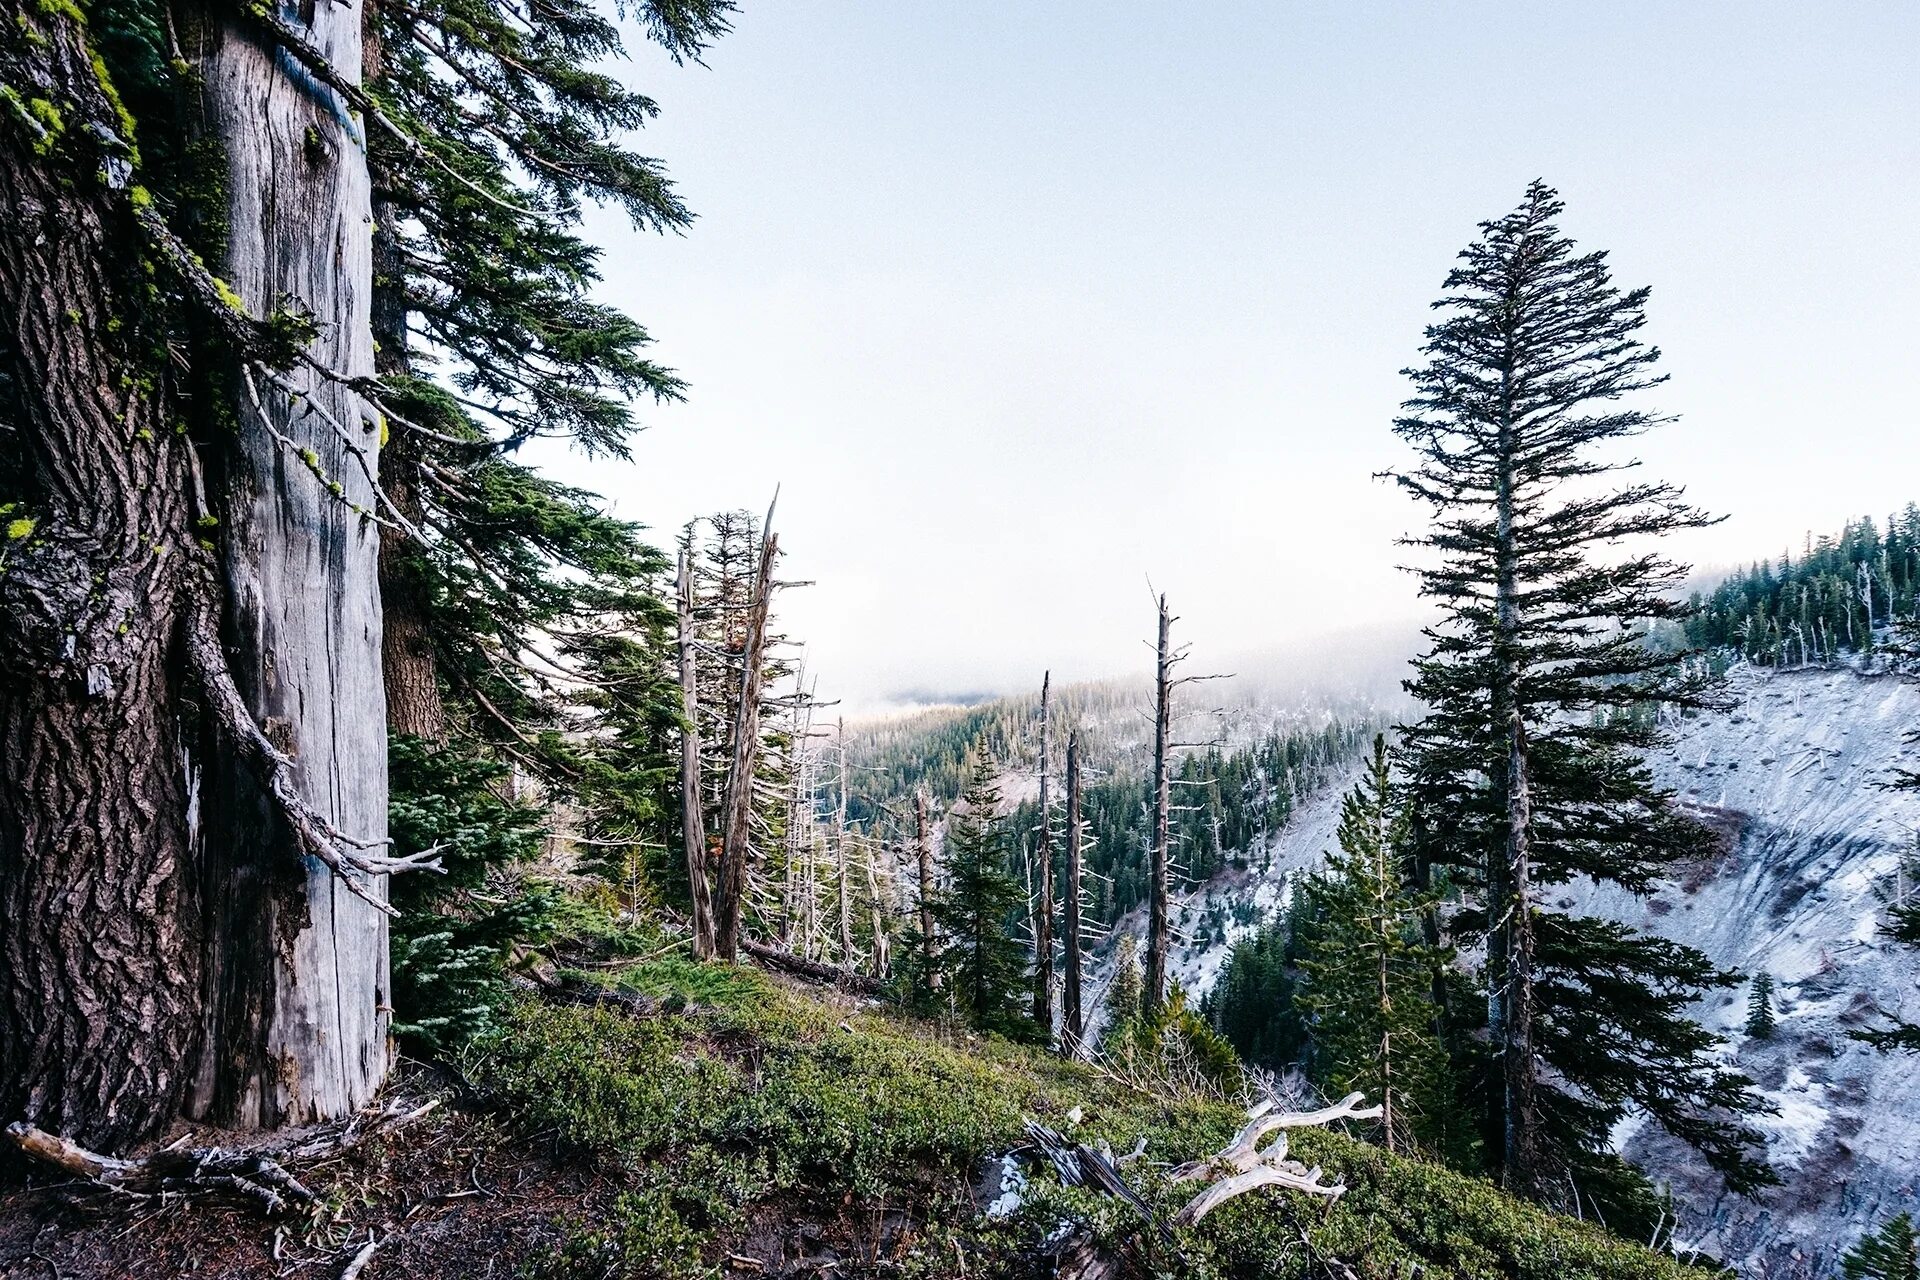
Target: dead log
(813,970)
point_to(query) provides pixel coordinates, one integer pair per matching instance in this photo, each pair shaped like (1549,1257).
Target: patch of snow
(1013,1189)
(1796,769)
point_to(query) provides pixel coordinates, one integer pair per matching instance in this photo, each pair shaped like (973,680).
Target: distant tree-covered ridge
(1228,799)
(1830,599)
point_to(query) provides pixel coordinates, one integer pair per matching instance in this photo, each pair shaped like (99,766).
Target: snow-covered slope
(1791,773)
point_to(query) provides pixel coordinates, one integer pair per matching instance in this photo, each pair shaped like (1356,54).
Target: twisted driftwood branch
(1255,1167)
(1247,1165)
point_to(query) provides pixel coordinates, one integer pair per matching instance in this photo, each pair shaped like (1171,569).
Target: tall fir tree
(1368,974)
(1526,772)
(982,964)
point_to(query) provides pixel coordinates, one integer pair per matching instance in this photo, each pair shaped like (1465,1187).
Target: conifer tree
(1901,926)
(1526,772)
(1126,990)
(1902,923)
(1253,1002)
(1760,1021)
(1368,974)
(983,965)
(1891,1253)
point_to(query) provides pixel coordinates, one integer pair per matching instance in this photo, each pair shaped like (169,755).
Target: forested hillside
(1231,795)
(1834,597)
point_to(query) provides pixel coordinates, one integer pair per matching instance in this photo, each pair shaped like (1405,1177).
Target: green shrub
(752,1094)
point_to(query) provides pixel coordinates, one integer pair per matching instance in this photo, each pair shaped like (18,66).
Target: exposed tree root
(257,1175)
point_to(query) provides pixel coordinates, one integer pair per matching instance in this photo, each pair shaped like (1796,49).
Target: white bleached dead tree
(1043,857)
(1072,1018)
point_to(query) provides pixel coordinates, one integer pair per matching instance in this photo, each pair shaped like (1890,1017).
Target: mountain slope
(1792,774)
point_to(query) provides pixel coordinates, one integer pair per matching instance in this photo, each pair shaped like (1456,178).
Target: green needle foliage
(1828,601)
(982,964)
(454,932)
(1527,771)
(534,617)
(1760,1021)
(1891,1253)
(1368,974)
(1253,1004)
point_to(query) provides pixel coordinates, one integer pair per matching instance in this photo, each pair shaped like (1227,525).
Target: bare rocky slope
(1793,773)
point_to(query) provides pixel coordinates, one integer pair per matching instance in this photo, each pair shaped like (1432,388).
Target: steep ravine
(1793,774)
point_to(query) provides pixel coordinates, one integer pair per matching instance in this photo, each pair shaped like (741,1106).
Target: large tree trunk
(100,971)
(298,1021)
(1159,927)
(411,673)
(414,702)
(1509,940)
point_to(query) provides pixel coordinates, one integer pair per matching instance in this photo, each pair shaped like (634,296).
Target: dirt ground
(446,1197)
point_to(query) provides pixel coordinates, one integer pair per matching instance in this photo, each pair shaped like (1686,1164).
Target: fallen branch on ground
(1253,1166)
(257,1175)
(1246,1163)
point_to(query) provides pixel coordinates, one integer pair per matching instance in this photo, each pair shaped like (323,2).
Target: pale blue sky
(1024,302)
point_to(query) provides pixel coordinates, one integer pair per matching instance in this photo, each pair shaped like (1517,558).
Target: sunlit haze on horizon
(1023,307)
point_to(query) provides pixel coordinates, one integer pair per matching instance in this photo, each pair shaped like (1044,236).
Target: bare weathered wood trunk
(1158,925)
(1072,1019)
(693,827)
(1522,1140)
(877,921)
(736,842)
(100,969)
(840,851)
(1509,941)
(298,1020)
(1043,909)
(923,854)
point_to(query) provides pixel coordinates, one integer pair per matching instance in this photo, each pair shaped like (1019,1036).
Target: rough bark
(414,701)
(693,833)
(99,910)
(736,843)
(1043,910)
(297,1023)
(1509,942)
(1158,925)
(1072,1020)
